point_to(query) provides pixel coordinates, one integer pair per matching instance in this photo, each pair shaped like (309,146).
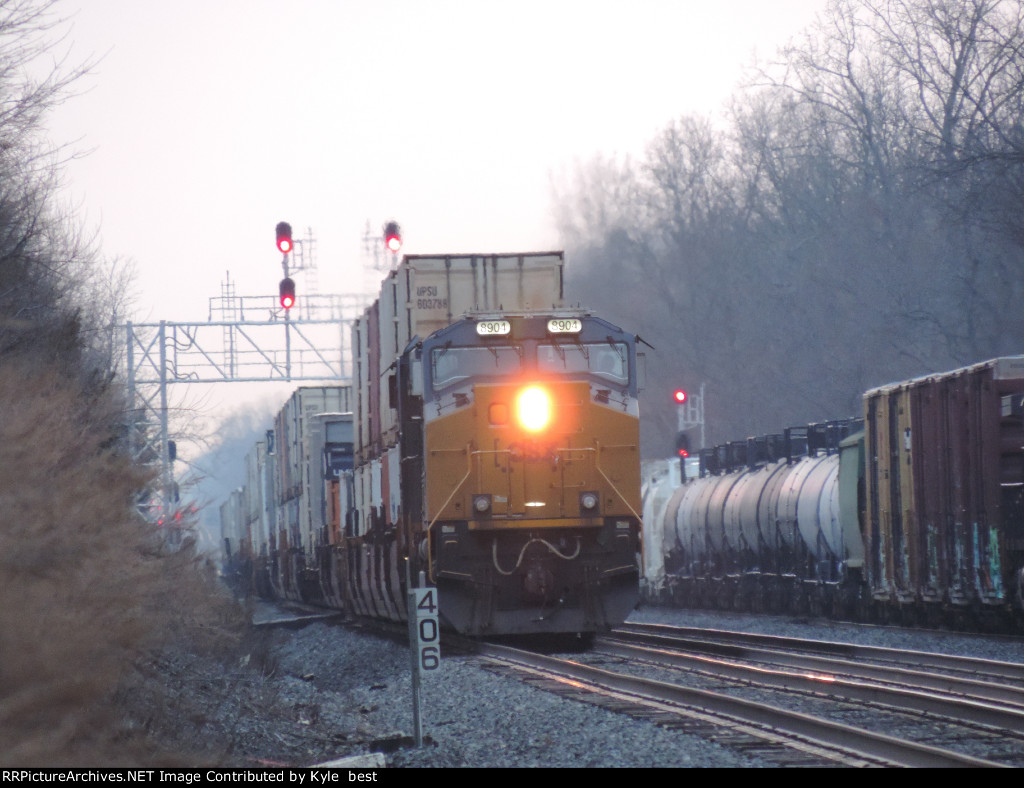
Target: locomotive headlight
(534,408)
(482,503)
(589,501)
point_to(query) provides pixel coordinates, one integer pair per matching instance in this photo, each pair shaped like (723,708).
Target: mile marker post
(424,641)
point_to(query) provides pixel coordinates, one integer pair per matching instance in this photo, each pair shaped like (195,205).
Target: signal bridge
(245,340)
(248,339)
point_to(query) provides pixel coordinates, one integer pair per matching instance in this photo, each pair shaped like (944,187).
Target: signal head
(284,237)
(679,396)
(393,237)
(287,290)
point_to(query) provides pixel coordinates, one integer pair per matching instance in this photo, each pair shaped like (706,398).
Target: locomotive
(912,512)
(494,454)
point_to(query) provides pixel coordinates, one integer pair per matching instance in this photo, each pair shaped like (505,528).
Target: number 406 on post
(428,636)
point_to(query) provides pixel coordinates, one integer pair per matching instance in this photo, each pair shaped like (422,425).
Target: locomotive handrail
(455,489)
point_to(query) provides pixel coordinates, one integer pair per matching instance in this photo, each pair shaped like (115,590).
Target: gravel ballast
(326,691)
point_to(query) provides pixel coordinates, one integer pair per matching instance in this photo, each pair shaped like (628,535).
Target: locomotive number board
(565,325)
(493,328)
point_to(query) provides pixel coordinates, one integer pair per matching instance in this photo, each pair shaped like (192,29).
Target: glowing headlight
(534,408)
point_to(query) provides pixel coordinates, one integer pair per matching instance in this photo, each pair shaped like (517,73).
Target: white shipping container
(268,493)
(324,428)
(251,499)
(299,477)
(232,525)
(361,379)
(426,293)
(260,509)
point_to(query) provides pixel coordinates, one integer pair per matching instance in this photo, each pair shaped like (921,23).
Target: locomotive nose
(539,580)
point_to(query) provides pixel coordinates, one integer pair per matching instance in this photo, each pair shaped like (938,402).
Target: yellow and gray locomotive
(520,472)
(485,443)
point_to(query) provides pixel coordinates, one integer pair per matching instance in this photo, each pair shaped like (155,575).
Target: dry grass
(87,593)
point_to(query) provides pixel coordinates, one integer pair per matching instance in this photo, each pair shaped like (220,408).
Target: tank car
(913,513)
(761,527)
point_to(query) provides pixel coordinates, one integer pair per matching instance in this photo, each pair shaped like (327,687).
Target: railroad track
(657,684)
(967,688)
(268,615)
(789,701)
(992,669)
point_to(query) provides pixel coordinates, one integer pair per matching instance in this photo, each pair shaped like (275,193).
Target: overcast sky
(209,121)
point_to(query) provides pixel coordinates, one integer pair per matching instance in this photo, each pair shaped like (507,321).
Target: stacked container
(423,295)
(234,537)
(299,440)
(426,293)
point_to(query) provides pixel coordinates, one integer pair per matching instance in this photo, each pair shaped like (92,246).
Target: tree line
(855,216)
(86,581)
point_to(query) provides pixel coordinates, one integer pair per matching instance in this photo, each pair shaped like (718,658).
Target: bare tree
(46,263)
(846,229)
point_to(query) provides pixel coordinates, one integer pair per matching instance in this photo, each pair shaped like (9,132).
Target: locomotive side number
(428,636)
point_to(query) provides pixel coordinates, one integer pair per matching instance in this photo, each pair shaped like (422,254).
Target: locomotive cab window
(606,360)
(449,365)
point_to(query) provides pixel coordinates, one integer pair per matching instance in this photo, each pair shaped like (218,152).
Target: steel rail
(920,659)
(956,686)
(903,698)
(822,734)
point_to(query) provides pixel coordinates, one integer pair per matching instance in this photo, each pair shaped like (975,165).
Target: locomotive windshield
(609,360)
(451,364)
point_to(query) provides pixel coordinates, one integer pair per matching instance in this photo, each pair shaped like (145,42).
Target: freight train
(489,443)
(912,513)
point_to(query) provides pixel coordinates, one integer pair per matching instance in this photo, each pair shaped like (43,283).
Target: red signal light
(393,236)
(284,237)
(287,293)
(679,396)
